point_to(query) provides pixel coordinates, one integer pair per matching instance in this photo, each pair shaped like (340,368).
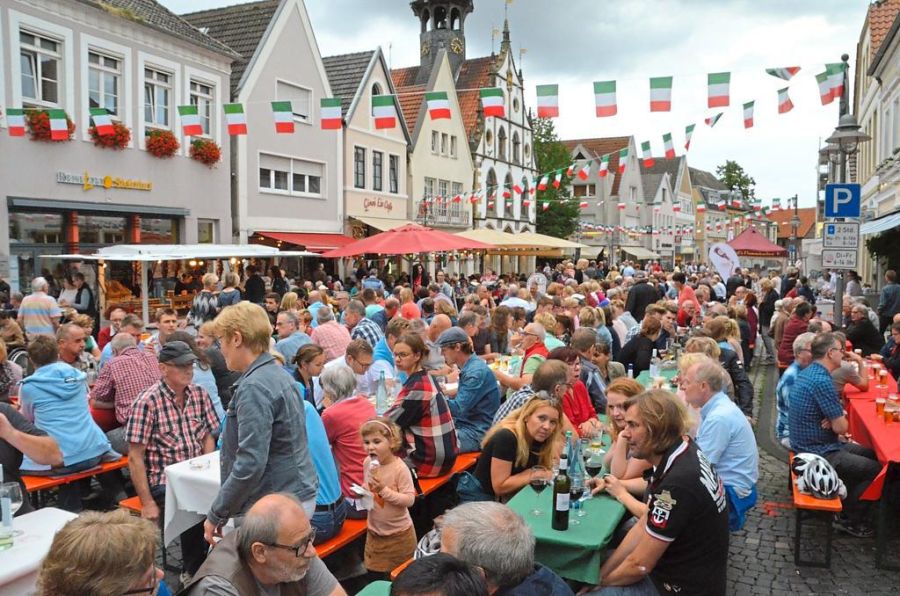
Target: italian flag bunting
(492,102)
(776,204)
(648,155)
(736,203)
(284,117)
(785,72)
(623,156)
(718,84)
(548,101)
(669,146)
(571,169)
(102,121)
(688,133)
(825,93)
(506,193)
(385,111)
(620,206)
(542,185)
(438,105)
(585,171)
(661,94)
(235,118)
(190,121)
(330,116)
(604,166)
(15,122)
(557,180)
(59,125)
(722,205)
(583,204)
(712,120)
(748,114)
(835,78)
(701,208)
(545,205)
(785,104)
(517,189)
(605,98)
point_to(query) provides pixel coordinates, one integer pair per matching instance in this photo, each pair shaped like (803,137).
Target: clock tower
(443,27)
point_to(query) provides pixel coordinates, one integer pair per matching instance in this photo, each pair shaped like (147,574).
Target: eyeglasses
(402,354)
(298,549)
(530,333)
(364,364)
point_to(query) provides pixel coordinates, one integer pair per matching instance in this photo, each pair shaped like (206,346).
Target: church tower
(442,27)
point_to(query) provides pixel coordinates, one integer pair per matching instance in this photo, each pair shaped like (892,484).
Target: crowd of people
(282,376)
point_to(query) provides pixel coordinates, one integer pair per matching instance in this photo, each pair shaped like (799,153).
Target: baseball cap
(177,352)
(453,335)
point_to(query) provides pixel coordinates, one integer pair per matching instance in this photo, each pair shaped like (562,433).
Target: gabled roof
(880,17)
(411,99)
(346,73)
(650,183)
(807,217)
(705,179)
(240,27)
(600,147)
(156,16)
(661,165)
(405,77)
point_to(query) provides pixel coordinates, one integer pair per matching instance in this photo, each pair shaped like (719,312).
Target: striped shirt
(38,313)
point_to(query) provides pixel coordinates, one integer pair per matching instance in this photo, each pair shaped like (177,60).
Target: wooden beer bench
(35,485)
(809,507)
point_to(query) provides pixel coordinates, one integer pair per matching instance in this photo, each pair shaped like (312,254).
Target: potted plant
(161,143)
(206,152)
(39,126)
(119,139)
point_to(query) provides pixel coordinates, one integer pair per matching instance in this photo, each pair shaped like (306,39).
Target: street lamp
(795,224)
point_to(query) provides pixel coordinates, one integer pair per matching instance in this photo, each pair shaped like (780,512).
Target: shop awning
(312,241)
(497,238)
(544,241)
(639,252)
(882,224)
(176,252)
(686,250)
(382,224)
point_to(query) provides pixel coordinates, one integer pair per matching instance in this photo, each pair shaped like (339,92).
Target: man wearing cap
(477,397)
(171,421)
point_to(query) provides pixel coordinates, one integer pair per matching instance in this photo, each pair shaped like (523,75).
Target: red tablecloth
(870,430)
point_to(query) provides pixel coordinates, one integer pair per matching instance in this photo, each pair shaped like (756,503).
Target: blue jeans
(329,523)
(644,587)
(470,490)
(469,441)
(738,507)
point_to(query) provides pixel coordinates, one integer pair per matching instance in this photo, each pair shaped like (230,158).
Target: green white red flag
(623,156)
(701,207)
(190,121)
(647,155)
(661,94)
(283,113)
(384,109)
(545,205)
(776,204)
(713,120)
(557,180)
(330,116)
(583,204)
(784,72)
(15,122)
(605,98)
(748,114)
(438,105)
(542,185)
(585,171)
(620,206)
(548,101)
(571,169)
(718,87)
(492,102)
(517,189)
(669,146)
(688,133)
(59,125)
(604,166)
(722,205)
(785,104)
(102,121)
(235,118)
(836,78)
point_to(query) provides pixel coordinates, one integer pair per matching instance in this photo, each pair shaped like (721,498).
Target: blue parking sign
(842,200)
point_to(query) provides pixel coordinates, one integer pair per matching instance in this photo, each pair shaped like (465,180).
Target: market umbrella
(408,239)
(751,243)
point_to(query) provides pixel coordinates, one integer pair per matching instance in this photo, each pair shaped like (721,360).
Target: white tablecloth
(189,493)
(19,564)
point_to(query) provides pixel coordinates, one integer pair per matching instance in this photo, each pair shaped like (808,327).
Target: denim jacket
(264,444)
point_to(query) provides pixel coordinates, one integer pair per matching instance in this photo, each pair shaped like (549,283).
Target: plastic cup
(889,413)
(881,391)
(879,406)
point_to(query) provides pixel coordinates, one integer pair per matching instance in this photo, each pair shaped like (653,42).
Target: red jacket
(577,405)
(792,329)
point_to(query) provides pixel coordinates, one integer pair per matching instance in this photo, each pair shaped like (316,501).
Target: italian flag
(605,98)
(585,171)
(517,189)
(648,155)
(623,156)
(718,84)
(688,133)
(526,203)
(59,125)
(492,102)
(330,117)
(438,105)
(836,78)
(235,118)
(701,208)
(661,94)
(713,120)
(825,92)
(571,169)
(542,185)
(669,146)
(784,72)
(284,117)
(473,199)
(722,205)
(785,104)
(748,114)
(736,203)
(102,121)
(776,204)
(545,205)
(583,204)
(620,206)
(548,101)
(384,111)
(15,122)
(676,207)
(558,178)
(506,193)
(190,121)
(604,166)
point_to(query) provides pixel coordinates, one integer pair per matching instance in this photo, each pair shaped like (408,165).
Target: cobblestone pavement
(761,557)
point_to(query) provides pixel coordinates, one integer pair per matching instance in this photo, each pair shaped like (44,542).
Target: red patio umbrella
(408,239)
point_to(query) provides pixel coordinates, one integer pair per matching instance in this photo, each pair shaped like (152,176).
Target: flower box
(119,139)
(161,143)
(39,126)
(206,152)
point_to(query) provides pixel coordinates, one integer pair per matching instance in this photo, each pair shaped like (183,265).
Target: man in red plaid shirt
(170,422)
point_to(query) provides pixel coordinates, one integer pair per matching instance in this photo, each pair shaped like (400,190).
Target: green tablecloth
(578,552)
(645,380)
(379,588)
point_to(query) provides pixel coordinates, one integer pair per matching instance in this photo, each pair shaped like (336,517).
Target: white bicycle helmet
(802,460)
(821,481)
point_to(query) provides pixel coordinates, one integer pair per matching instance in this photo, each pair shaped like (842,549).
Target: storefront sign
(88,182)
(377,204)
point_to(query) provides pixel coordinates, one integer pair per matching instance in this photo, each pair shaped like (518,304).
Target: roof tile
(404,77)
(704,179)
(807,217)
(600,147)
(880,20)
(411,99)
(345,74)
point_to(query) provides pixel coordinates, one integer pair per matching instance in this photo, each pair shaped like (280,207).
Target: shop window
(101,229)
(159,231)
(35,228)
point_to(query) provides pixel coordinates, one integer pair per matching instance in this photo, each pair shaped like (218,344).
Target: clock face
(456,45)
(425,48)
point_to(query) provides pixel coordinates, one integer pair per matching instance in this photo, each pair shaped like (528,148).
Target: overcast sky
(576,42)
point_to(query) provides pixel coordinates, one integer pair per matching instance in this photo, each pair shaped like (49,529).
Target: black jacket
(637,352)
(864,336)
(731,284)
(640,296)
(767,309)
(743,390)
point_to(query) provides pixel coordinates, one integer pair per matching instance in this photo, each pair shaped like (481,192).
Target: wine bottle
(561,487)
(630,371)
(654,365)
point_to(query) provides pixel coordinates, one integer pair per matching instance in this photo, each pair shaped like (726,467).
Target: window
(202,97)
(157,97)
(435,140)
(40,59)
(206,231)
(377,170)
(444,143)
(456,190)
(516,147)
(359,167)
(429,187)
(100,229)
(501,143)
(394,173)
(290,176)
(453,146)
(440,207)
(159,231)
(579,190)
(104,82)
(299,97)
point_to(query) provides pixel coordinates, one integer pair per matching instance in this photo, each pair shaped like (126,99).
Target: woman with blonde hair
(625,479)
(737,386)
(408,308)
(231,292)
(205,306)
(86,322)
(290,301)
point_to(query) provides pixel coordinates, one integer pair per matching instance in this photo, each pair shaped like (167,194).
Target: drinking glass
(13,492)
(577,496)
(538,482)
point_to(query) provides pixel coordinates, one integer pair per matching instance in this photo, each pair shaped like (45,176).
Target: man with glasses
(170,422)
(359,358)
(818,424)
(115,316)
(271,553)
(862,333)
(802,358)
(290,338)
(360,327)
